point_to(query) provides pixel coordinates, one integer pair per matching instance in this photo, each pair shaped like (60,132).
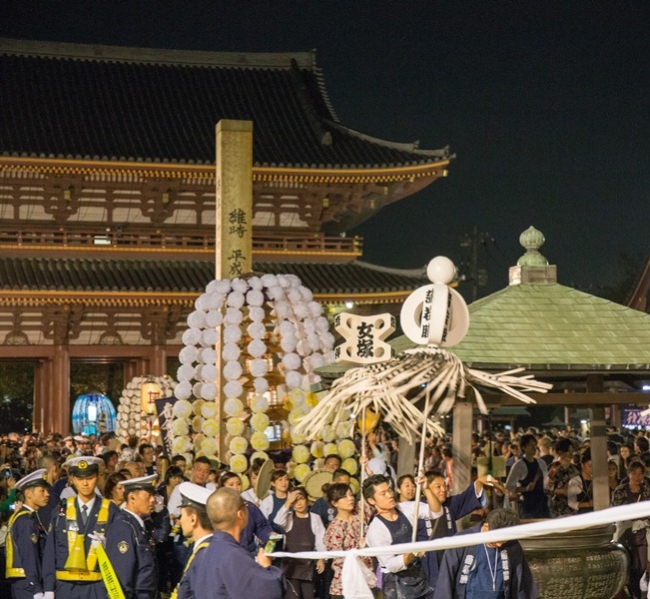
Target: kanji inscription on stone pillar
(234,218)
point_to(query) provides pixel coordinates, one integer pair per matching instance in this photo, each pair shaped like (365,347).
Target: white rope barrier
(357,588)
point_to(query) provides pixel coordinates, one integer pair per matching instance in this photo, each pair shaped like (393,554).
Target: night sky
(545,105)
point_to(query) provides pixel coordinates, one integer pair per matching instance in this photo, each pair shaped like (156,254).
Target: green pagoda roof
(550,326)
(542,325)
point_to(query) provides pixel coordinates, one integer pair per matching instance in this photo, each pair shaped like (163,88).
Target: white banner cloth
(353,579)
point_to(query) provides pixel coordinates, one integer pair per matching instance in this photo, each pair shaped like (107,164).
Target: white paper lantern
(209,445)
(261,385)
(209,409)
(209,391)
(259,454)
(346,448)
(259,403)
(330,448)
(316,449)
(254,298)
(233,407)
(191,336)
(350,465)
(256,330)
(233,389)
(300,472)
(196,319)
(188,354)
(230,352)
(328,434)
(235,426)
(300,454)
(210,427)
(209,338)
(233,316)
(209,372)
(238,463)
(180,427)
(235,299)
(259,367)
(259,441)
(260,421)
(208,355)
(182,409)
(183,390)
(256,314)
(238,445)
(291,361)
(232,334)
(201,302)
(256,348)
(293,378)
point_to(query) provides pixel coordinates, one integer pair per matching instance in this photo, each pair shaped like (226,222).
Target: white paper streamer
(352,573)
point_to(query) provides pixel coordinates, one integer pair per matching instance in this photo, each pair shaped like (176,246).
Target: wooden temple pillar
(58,414)
(462,445)
(158,360)
(42,375)
(131,370)
(598,443)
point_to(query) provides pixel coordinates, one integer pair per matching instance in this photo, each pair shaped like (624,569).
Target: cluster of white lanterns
(273,337)
(135,411)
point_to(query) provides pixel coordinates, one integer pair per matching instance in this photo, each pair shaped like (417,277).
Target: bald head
(222,507)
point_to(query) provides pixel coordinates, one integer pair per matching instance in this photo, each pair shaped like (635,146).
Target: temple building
(107,198)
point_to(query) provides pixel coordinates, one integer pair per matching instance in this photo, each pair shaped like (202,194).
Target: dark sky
(544,103)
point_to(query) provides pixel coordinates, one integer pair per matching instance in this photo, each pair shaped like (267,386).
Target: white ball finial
(441,270)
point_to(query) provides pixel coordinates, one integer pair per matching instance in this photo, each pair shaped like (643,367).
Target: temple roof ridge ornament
(532,267)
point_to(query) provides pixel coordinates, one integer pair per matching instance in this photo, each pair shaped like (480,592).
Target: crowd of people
(165,525)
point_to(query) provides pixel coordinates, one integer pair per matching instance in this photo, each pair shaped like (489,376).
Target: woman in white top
(304,531)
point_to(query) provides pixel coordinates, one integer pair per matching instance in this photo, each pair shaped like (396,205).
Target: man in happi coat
(489,570)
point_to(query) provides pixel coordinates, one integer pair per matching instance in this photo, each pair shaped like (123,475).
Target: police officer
(228,571)
(78,526)
(195,525)
(26,538)
(130,546)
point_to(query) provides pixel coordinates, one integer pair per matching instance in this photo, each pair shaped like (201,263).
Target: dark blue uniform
(230,572)
(257,526)
(131,550)
(56,553)
(187,585)
(24,556)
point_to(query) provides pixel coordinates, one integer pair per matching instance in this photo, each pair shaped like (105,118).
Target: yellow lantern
(370,423)
(149,393)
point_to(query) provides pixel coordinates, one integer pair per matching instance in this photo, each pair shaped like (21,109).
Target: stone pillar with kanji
(234,223)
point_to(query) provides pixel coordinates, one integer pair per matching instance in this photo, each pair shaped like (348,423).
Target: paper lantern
(238,463)
(350,465)
(149,393)
(346,448)
(259,441)
(238,445)
(300,472)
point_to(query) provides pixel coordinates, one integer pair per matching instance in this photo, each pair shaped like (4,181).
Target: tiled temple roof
(161,106)
(187,276)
